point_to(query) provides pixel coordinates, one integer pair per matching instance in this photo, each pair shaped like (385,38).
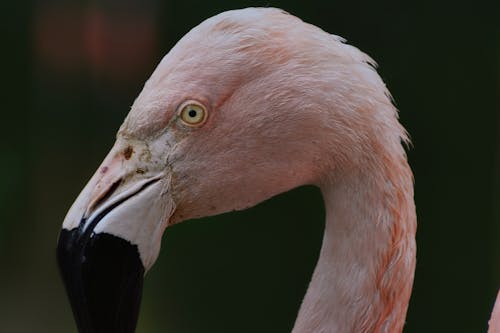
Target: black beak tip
(103,275)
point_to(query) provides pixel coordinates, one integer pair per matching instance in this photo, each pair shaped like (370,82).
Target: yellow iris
(193,113)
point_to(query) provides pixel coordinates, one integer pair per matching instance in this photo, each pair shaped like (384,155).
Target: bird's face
(209,133)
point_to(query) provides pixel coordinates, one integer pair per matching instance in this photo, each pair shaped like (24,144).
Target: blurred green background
(71,70)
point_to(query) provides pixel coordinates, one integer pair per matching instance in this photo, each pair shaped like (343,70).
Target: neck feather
(364,275)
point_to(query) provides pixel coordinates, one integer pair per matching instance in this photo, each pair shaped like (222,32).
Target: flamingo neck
(363,279)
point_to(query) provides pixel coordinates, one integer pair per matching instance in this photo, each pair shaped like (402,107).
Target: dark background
(71,70)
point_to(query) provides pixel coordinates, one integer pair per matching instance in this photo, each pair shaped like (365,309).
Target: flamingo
(249,104)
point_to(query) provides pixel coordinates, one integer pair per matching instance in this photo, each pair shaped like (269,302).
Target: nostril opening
(127,153)
(107,194)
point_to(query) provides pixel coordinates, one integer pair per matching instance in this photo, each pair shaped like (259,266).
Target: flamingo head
(247,105)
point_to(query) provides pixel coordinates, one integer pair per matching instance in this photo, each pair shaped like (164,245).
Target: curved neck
(363,278)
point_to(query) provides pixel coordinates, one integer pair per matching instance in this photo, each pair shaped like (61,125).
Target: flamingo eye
(193,113)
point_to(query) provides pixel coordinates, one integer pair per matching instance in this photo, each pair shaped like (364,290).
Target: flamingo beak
(111,236)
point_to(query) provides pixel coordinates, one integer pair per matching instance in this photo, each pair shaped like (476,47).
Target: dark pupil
(192,113)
